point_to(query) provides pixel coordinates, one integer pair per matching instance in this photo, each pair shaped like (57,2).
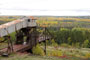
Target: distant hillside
(81,17)
(65,22)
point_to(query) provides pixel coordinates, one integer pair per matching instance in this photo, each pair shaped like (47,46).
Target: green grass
(71,54)
(34,57)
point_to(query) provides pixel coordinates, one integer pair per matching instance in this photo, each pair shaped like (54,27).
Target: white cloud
(45,7)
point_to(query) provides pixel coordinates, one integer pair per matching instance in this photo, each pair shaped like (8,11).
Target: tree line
(75,36)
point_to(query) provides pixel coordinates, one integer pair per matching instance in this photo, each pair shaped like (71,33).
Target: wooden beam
(45,42)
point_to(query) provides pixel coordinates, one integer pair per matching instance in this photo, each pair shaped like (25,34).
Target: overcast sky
(45,7)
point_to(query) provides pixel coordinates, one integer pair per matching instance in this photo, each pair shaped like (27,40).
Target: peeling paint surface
(12,26)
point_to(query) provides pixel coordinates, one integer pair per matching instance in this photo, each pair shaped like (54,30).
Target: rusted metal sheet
(3,32)
(32,23)
(19,25)
(10,27)
(24,23)
(7,28)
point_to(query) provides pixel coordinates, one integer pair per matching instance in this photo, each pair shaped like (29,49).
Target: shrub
(48,43)
(38,50)
(87,55)
(42,44)
(86,44)
(1,39)
(54,43)
(73,44)
(77,45)
(69,40)
(13,38)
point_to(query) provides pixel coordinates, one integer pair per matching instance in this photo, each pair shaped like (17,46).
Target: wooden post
(35,36)
(10,45)
(45,41)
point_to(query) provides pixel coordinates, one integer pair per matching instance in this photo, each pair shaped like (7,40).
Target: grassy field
(67,54)
(35,57)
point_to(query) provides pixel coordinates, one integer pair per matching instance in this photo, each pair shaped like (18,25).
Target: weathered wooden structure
(26,34)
